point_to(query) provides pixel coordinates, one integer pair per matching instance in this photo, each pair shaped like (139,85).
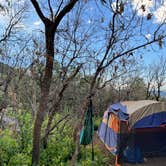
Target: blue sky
(31,23)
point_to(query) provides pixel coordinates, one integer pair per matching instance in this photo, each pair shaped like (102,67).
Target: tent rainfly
(135,128)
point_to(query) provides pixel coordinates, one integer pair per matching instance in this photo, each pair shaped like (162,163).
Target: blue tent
(110,130)
(138,128)
(148,126)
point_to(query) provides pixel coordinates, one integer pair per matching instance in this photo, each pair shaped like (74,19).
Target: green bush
(20,159)
(16,147)
(97,121)
(85,157)
(60,148)
(24,137)
(8,147)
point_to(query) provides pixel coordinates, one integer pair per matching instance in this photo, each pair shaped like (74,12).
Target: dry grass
(104,150)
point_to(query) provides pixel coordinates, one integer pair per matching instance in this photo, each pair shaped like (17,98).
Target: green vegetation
(85,156)
(97,122)
(16,146)
(57,56)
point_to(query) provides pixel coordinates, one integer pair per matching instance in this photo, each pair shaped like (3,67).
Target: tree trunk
(56,105)
(148,92)
(50,29)
(76,132)
(37,127)
(50,119)
(45,87)
(76,137)
(158,93)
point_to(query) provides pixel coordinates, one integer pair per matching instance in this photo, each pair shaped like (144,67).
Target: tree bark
(76,132)
(57,103)
(158,92)
(50,29)
(47,130)
(45,86)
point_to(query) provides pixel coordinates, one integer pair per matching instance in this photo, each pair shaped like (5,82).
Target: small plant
(97,121)
(85,157)
(9,147)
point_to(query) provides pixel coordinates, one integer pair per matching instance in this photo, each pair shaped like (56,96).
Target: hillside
(163,94)
(4,68)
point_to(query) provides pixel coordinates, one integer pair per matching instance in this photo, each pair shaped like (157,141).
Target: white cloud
(143,7)
(148,36)
(37,23)
(157,8)
(113,5)
(160,13)
(3,1)
(20,25)
(89,21)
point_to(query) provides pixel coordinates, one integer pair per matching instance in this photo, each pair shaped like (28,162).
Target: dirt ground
(105,152)
(153,161)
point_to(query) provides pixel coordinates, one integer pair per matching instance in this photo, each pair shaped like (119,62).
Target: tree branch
(64,11)
(56,124)
(51,11)
(130,50)
(38,11)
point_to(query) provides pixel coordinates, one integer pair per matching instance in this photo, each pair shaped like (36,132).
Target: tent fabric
(143,108)
(153,120)
(109,130)
(133,106)
(146,120)
(119,110)
(151,141)
(118,106)
(133,155)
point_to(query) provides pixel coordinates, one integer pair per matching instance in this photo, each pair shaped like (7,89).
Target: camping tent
(147,124)
(110,130)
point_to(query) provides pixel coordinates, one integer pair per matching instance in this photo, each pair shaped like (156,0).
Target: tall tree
(155,76)
(122,37)
(12,14)
(11,20)
(51,25)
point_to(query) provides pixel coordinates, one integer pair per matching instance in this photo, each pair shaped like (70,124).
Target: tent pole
(91,107)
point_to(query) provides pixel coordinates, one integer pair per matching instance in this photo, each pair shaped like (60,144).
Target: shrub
(20,159)
(97,121)
(85,156)
(8,147)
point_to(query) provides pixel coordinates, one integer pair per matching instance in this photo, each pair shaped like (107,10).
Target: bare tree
(149,81)
(122,31)
(159,70)
(13,14)
(51,25)
(10,27)
(155,76)
(71,50)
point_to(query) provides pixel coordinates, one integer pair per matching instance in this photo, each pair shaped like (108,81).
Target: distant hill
(163,94)
(4,68)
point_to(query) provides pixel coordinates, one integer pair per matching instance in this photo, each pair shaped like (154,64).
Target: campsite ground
(153,161)
(105,152)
